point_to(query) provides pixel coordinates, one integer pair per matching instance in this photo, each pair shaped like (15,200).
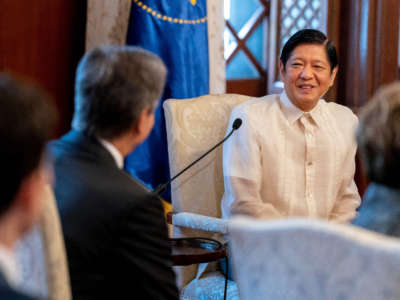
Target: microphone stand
(161,187)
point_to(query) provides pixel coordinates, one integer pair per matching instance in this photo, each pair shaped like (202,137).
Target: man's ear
(281,68)
(141,123)
(333,76)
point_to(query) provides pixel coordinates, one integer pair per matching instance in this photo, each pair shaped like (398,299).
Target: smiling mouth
(305,87)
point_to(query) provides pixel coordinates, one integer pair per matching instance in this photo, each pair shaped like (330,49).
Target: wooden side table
(195,250)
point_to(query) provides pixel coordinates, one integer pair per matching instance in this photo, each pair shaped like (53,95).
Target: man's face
(307,75)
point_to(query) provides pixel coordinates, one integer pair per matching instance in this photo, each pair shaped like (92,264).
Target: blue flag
(175,30)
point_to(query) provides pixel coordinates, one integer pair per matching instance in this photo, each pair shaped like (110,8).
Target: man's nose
(306,72)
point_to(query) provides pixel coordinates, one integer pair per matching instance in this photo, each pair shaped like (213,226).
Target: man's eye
(318,67)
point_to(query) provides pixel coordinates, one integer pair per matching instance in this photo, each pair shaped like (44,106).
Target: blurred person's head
(378,136)
(116,91)
(26,123)
(308,67)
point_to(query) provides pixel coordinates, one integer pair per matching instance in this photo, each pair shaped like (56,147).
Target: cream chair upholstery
(194,126)
(305,259)
(41,256)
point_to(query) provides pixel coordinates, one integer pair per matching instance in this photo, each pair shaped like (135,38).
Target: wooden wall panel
(333,29)
(386,42)
(368,48)
(43,40)
(249,87)
(366,33)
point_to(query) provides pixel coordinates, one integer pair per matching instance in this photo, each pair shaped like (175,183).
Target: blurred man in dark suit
(115,231)
(26,120)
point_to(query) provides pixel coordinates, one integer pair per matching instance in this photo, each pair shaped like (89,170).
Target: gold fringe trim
(157,15)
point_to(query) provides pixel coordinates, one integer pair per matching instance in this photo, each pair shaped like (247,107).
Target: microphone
(161,187)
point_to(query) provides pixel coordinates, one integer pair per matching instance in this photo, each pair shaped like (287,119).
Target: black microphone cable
(161,187)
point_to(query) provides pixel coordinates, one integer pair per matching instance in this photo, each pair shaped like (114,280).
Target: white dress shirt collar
(293,113)
(8,266)
(119,160)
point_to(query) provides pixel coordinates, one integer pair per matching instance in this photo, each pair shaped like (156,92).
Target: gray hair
(378,136)
(113,85)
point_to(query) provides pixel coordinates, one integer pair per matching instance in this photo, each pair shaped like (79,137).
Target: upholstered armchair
(309,259)
(194,126)
(41,256)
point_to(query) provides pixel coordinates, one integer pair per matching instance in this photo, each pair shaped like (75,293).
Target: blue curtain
(176,30)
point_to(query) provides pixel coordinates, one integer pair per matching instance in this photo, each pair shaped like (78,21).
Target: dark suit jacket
(115,232)
(8,293)
(380,210)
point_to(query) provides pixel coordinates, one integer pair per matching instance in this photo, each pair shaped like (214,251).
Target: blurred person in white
(294,155)
(26,122)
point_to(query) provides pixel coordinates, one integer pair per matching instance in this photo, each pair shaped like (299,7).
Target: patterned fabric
(193,127)
(284,163)
(177,32)
(41,256)
(305,259)
(216,27)
(107,22)
(210,287)
(200,222)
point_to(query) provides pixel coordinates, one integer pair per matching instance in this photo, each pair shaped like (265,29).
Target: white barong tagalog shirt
(283,162)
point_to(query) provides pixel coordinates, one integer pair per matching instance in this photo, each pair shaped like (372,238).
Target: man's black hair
(309,36)
(26,123)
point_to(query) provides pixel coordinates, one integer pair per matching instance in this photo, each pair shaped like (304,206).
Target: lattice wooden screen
(296,15)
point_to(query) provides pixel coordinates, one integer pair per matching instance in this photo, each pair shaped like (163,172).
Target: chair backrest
(41,256)
(193,127)
(309,259)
